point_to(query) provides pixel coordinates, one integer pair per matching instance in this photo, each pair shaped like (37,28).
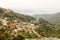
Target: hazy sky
(40,6)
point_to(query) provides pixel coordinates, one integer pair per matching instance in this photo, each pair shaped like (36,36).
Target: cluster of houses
(16,27)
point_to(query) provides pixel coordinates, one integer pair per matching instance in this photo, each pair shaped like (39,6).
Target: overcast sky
(37,6)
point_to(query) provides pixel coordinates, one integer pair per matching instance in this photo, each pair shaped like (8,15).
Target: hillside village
(15,25)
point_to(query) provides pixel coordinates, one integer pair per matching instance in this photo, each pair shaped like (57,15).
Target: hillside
(53,18)
(42,27)
(12,15)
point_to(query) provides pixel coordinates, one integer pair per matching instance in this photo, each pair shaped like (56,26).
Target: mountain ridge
(54,18)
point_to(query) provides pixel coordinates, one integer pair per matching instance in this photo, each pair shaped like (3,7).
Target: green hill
(12,15)
(18,16)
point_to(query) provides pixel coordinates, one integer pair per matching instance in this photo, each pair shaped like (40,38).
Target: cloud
(39,5)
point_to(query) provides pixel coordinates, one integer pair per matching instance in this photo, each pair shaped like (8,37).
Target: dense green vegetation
(53,31)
